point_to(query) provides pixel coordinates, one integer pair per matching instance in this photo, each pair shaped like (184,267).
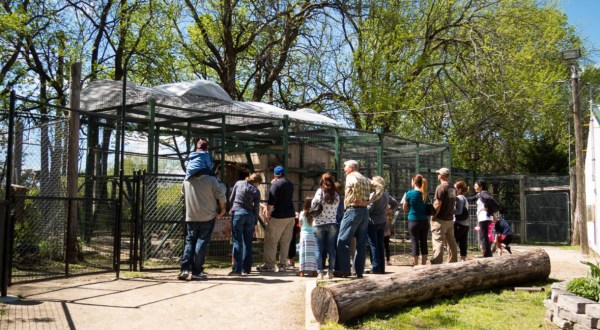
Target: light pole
(571,57)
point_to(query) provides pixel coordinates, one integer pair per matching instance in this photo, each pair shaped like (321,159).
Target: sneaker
(183,275)
(264,268)
(508,249)
(322,275)
(330,275)
(281,268)
(234,274)
(244,273)
(201,276)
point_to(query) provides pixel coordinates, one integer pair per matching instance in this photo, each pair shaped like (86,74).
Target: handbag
(316,209)
(429,209)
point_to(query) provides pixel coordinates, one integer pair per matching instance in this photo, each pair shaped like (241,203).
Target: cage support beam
(151,119)
(338,155)
(286,134)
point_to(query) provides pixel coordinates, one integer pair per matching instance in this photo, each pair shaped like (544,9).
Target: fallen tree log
(345,301)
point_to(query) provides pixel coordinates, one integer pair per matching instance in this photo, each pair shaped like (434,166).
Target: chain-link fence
(163,221)
(547,218)
(53,234)
(40,236)
(142,215)
(514,191)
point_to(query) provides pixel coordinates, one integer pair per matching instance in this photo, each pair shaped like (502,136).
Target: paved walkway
(159,301)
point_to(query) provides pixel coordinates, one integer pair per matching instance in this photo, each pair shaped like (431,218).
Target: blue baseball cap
(279,170)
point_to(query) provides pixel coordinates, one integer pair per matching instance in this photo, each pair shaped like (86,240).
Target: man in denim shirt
(245,200)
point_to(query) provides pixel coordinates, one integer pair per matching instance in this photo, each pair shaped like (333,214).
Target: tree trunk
(345,301)
(73,164)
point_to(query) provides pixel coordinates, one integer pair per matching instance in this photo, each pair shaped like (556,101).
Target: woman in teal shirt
(418,224)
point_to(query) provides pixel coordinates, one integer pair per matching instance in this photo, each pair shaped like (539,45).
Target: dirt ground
(159,301)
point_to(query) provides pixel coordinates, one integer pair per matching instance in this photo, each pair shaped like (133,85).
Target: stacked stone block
(569,311)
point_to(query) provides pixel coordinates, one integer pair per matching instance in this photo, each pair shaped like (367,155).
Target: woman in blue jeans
(325,225)
(245,200)
(376,229)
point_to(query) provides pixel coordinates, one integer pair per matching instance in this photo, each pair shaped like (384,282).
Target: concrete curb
(309,320)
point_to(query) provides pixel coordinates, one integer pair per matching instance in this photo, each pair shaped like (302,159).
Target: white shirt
(481,211)
(329,210)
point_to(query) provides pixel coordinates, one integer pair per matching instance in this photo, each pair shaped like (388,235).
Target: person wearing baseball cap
(442,224)
(279,215)
(443,171)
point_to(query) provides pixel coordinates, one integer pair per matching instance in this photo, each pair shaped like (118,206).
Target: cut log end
(323,305)
(344,301)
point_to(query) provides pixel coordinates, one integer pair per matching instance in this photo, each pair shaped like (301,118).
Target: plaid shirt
(358,189)
(245,196)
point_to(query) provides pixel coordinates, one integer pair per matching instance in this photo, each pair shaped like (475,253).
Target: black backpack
(492,205)
(464,215)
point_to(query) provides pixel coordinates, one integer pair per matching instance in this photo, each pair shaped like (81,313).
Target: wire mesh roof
(203,108)
(200,103)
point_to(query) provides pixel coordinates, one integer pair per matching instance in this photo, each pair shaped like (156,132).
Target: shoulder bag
(316,209)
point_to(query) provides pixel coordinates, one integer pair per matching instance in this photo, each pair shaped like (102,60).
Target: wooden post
(580,207)
(72,160)
(345,301)
(523,209)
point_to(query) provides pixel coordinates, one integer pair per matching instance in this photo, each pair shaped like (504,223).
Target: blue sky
(585,16)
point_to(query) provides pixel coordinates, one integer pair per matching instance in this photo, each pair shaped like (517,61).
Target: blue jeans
(242,231)
(375,238)
(198,234)
(326,236)
(354,224)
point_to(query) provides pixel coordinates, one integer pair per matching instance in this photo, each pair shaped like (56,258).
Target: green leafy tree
(477,74)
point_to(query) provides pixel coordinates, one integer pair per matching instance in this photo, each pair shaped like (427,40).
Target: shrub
(587,287)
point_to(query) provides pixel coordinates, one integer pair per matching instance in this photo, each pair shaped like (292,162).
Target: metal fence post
(6,227)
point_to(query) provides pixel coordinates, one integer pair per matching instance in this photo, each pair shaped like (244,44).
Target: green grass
(486,310)
(570,247)
(132,274)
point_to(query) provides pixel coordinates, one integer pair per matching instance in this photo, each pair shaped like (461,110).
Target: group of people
(342,235)
(449,220)
(345,223)
(336,226)
(440,220)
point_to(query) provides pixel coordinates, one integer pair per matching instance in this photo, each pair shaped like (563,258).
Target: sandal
(264,269)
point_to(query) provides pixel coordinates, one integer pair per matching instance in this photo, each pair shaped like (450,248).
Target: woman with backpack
(461,218)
